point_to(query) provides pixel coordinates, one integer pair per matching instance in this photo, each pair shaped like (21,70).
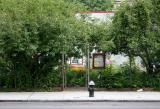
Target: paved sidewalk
(68,96)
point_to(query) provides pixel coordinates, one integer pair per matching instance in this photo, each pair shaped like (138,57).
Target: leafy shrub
(125,78)
(76,79)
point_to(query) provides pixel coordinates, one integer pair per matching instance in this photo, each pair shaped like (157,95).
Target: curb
(79,100)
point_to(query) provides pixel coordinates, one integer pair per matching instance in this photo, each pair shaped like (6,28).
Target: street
(79,105)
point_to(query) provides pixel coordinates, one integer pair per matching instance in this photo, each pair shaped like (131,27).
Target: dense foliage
(96,5)
(135,32)
(116,78)
(32,35)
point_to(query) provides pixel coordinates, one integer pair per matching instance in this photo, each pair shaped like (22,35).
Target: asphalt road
(79,105)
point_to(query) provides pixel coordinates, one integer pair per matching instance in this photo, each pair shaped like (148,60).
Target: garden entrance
(76,66)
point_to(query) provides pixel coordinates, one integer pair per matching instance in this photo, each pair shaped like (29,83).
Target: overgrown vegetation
(135,32)
(111,78)
(33,34)
(96,5)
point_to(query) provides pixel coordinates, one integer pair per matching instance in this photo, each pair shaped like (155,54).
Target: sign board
(77,64)
(77,61)
(98,60)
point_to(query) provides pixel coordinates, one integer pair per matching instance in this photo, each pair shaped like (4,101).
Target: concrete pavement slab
(47,96)
(79,96)
(15,95)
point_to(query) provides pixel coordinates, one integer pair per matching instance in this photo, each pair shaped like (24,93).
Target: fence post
(63,78)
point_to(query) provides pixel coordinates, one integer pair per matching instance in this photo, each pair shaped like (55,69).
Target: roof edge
(90,12)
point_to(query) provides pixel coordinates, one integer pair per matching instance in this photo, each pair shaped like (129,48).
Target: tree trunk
(149,62)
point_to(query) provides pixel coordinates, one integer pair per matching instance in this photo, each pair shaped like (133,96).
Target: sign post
(88,64)
(63,75)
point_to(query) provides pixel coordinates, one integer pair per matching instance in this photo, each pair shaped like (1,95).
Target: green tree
(32,35)
(155,20)
(99,37)
(133,32)
(97,5)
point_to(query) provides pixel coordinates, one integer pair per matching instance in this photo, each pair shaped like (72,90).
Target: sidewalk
(79,96)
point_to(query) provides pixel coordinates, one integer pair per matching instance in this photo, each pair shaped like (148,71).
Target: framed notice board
(98,61)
